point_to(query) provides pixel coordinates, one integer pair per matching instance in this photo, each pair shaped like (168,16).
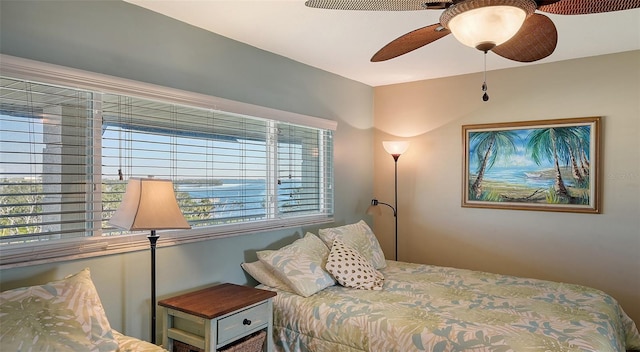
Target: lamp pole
(395,211)
(153,239)
(395,149)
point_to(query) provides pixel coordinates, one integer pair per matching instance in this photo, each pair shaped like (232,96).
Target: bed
(430,308)
(61,315)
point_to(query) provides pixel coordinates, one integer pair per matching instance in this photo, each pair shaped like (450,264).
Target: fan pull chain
(485,96)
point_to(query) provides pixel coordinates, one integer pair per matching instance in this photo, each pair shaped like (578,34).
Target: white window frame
(76,248)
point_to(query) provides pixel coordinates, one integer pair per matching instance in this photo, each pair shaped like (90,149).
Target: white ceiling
(342,42)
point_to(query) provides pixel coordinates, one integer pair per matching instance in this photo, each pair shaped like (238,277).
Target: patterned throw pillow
(300,265)
(359,237)
(351,269)
(64,315)
(259,271)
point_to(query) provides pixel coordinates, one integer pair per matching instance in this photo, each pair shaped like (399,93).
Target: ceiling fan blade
(545,2)
(536,40)
(410,42)
(583,7)
(379,5)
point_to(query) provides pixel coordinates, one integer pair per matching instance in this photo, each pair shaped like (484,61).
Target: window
(67,153)
(226,168)
(45,160)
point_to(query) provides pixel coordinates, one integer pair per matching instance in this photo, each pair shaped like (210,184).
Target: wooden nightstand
(217,316)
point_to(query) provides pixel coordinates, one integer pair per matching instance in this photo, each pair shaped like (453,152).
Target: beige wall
(601,251)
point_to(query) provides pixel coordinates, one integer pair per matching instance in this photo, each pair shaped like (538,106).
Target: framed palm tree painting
(548,165)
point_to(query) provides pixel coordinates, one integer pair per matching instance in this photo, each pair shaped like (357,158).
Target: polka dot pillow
(350,269)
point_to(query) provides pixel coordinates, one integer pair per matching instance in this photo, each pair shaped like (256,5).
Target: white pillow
(264,275)
(300,265)
(359,237)
(64,315)
(351,269)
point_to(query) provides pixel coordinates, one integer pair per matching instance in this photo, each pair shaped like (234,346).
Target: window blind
(227,168)
(45,162)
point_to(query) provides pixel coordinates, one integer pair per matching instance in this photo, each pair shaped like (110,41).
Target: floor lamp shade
(149,204)
(395,147)
(374,209)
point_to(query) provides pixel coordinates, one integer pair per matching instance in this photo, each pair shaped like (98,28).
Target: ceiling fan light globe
(485,24)
(492,24)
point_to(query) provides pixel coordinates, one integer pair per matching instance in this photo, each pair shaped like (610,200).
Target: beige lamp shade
(149,204)
(374,209)
(395,147)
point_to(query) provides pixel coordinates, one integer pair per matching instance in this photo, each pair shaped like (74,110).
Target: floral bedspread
(430,308)
(132,344)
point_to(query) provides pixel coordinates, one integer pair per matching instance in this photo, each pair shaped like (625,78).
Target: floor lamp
(395,148)
(149,204)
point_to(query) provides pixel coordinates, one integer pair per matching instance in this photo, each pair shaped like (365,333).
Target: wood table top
(218,300)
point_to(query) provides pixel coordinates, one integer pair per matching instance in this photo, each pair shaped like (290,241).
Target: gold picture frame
(545,165)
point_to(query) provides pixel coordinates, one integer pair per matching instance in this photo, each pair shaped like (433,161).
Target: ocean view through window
(67,153)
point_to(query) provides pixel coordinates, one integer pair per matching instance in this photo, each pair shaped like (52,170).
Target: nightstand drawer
(243,322)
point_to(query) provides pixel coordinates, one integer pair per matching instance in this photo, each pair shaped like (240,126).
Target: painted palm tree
(488,146)
(555,144)
(584,133)
(584,163)
(578,139)
(576,144)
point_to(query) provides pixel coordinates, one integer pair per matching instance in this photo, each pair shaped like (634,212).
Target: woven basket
(251,343)
(179,346)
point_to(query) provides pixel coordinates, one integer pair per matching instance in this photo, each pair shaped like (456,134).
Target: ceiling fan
(509,28)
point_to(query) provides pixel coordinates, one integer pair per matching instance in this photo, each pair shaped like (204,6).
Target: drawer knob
(246,322)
